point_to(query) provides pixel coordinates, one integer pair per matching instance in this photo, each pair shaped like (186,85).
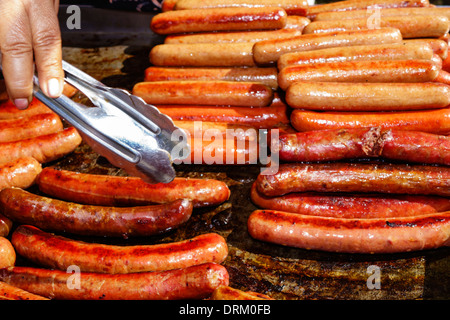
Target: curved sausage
(129,191)
(196,282)
(20,173)
(44,148)
(339,205)
(351,235)
(51,214)
(7,253)
(8,292)
(363,96)
(190,92)
(5,226)
(435,121)
(356,177)
(57,252)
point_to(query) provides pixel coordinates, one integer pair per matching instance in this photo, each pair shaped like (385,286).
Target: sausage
(228,93)
(218,19)
(229,293)
(410,51)
(292,7)
(56,215)
(383,235)
(203,55)
(296,22)
(435,121)
(348,5)
(439,47)
(9,111)
(356,177)
(232,36)
(258,117)
(104,190)
(361,71)
(168,5)
(44,148)
(443,77)
(5,226)
(268,51)
(8,292)
(196,282)
(339,205)
(356,14)
(20,173)
(202,128)
(7,253)
(446,63)
(57,252)
(266,76)
(29,127)
(349,96)
(416,26)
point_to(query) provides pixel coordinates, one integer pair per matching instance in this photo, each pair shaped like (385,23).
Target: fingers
(17,52)
(46,43)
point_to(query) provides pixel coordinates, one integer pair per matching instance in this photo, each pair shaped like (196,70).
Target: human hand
(30,29)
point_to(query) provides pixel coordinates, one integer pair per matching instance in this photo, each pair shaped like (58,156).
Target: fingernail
(21,103)
(54,88)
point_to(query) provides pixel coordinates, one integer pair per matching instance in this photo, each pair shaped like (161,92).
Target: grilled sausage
(439,47)
(268,51)
(229,293)
(20,173)
(194,282)
(356,177)
(5,226)
(7,253)
(218,19)
(9,111)
(435,121)
(8,292)
(363,96)
(383,235)
(107,190)
(51,214)
(227,93)
(58,252)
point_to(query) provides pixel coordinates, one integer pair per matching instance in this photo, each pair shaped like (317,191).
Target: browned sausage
(438,46)
(356,177)
(229,293)
(339,205)
(8,292)
(129,191)
(7,253)
(435,121)
(361,71)
(218,19)
(44,148)
(51,214)
(196,282)
(58,252)
(383,235)
(9,111)
(268,51)
(20,173)
(227,93)
(363,96)
(5,226)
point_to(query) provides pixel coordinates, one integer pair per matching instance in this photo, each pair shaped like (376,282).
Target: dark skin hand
(29,29)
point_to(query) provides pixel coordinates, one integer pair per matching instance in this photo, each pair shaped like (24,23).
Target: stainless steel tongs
(130,133)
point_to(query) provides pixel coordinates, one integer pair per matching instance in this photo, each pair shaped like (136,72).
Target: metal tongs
(130,133)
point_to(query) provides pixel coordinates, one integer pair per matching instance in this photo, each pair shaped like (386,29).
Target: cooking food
(229,293)
(29,127)
(7,253)
(5,226)
(8,292)
(9,111)
(20,173)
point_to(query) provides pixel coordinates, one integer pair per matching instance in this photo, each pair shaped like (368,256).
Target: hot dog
(44,148)
(57,252)
(338,205)
(356,177)
(228,93)
(443,77)
(439,47)
(229,293)
(9,111)
(266,76)
(20,173)
(129,191)
(296,22)
(292,7)
(8,292)
(409,51)
(435,121)
(268,51)
(7,253)
(56,215)
(218,19)
(416,26)
(29,127)
(231,36)
(361,71)
(348,5)
(194,282)
(203,55)
(383,235)
(5,226)
(202,128)
(363,96)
